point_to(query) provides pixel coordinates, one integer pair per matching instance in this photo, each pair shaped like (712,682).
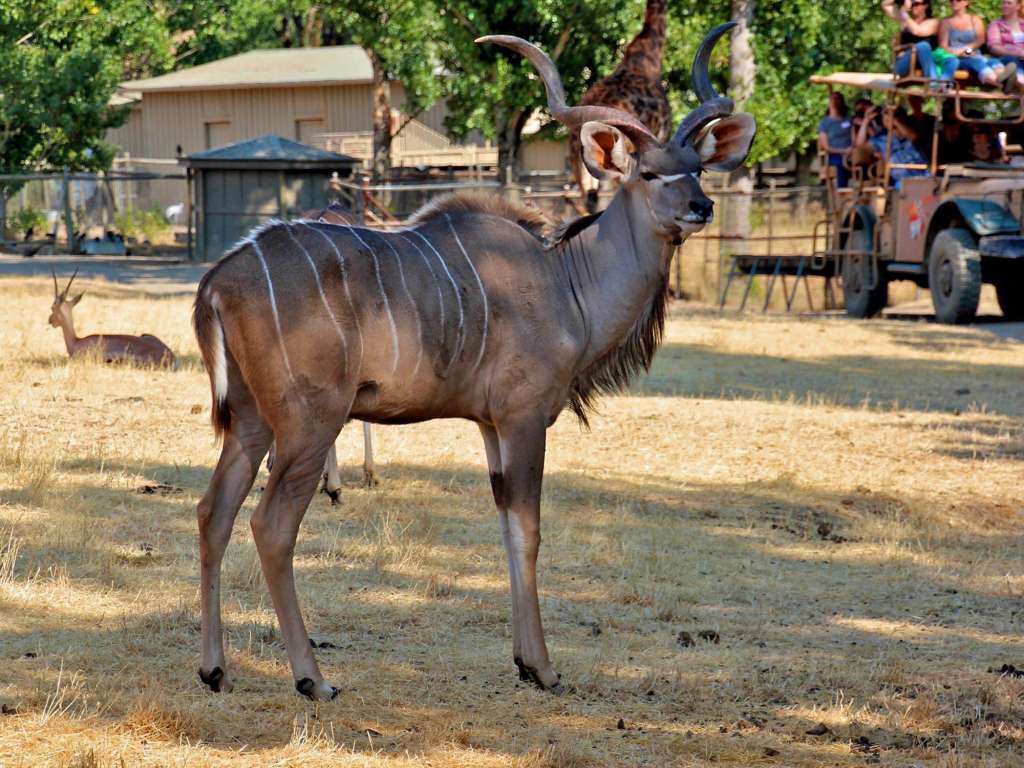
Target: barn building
(322,97)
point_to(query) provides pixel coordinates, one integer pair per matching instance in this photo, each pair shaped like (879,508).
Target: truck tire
(954,276)
(1010,292)
(862,300)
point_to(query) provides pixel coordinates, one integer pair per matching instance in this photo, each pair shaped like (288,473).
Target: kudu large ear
(726,144)
(607,151)
(78,298)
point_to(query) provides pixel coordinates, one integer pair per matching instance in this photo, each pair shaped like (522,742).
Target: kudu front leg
(493,449)
(369,468)
(244,447)
(517,493)
(275,525)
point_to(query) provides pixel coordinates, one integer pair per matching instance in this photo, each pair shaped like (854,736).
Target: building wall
(198,120)
(129,137)
(543,155)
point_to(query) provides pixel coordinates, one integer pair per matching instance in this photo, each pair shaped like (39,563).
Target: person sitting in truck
(923,125)
(985,146)
(1006,38)
(962,34)
(954,138)
(835,137)
(860,107)
(903,150)
(919,29)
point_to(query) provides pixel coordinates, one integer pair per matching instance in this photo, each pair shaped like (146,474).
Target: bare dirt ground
(798,542)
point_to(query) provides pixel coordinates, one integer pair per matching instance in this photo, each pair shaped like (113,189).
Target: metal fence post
(69,225)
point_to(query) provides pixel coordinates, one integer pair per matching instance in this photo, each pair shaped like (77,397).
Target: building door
(306,129)
(218,134)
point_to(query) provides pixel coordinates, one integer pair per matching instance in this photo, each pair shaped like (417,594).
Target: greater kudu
(463,314)
(112,347)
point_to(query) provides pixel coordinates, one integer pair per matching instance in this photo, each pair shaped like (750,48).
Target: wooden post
(188,212)
(69,225)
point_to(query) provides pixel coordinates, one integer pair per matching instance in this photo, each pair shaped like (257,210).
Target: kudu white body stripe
(387,304)
(348,292)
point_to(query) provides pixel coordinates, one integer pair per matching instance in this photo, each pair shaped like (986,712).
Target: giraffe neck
(643,55)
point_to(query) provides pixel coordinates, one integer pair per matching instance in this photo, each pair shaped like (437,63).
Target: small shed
(235,188)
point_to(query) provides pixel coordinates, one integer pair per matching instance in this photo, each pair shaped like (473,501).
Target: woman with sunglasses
(962,34)
(918,28)
(1006,38)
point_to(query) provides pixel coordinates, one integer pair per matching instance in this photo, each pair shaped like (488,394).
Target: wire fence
(107,212)
(123,211)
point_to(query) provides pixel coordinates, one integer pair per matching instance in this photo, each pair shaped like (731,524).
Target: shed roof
(330,65)
(268,151)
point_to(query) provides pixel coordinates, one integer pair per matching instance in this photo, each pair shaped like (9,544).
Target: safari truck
(949,229)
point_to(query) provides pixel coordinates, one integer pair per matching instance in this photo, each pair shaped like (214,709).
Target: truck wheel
(861,299)
(1010,292)
(954,276)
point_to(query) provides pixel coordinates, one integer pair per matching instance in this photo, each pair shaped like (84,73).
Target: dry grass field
(798,542)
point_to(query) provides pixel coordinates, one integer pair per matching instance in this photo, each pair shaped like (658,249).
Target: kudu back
(467,313)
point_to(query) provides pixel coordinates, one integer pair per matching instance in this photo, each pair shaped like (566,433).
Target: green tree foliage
(793,39)
(63,59)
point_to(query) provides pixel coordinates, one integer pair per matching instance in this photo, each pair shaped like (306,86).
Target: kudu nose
(703,208)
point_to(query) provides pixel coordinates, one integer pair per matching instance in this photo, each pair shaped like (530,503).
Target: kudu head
(60,311)
(617,146)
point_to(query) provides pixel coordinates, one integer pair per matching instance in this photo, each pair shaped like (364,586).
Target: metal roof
(331,65)
(267,151)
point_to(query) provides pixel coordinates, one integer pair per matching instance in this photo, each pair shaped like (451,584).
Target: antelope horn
(574,117)
(56,291)
(712,106)
(68,286)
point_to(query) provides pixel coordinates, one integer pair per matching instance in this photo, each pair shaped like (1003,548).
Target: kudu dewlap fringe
(463,313)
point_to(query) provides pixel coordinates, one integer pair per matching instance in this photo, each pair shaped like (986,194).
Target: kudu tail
(210,335)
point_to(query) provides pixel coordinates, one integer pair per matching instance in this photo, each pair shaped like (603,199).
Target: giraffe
(634,87)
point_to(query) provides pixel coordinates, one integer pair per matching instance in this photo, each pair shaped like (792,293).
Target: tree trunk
(742,74)
(509,142)
(381,122)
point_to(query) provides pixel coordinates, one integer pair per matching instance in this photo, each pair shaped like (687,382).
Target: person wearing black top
(919,28)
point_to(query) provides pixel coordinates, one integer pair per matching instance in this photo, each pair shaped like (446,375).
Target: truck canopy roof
(885,82)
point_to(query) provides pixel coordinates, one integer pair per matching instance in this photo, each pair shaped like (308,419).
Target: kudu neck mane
(613,360)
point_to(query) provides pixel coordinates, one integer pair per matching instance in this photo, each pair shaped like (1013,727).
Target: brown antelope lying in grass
(465,313)
(144,349)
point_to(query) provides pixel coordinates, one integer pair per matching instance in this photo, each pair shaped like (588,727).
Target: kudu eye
(648,176)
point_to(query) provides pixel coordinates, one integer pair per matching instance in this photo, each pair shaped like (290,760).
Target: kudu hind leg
(275,525)
(522,458)
(245,444)
(332,478)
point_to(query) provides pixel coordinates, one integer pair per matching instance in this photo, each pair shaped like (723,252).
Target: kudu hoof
(530,675)
(215,680)
(314,692)
(334,495)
